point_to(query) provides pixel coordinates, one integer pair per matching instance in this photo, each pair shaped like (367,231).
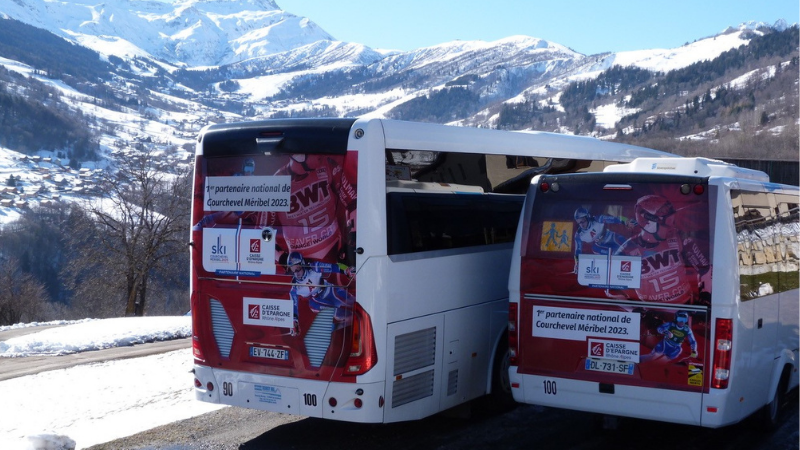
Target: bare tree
(141,224)
(22,298)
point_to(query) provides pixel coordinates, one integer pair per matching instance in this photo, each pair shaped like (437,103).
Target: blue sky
(586,26)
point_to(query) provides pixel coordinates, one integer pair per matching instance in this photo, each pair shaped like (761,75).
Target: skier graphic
(665,254)
(592,232)
(321,218)
(309,283)
(674,334)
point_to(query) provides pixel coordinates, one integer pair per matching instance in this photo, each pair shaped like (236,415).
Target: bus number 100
(549,387)
(310,399)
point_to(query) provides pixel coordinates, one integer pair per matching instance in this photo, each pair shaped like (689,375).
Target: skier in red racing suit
(312,225)
(671,264)
(321,218)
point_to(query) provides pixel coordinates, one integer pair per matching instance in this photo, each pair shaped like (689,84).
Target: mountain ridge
(312,74)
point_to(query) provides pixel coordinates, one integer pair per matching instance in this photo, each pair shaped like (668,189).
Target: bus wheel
(500,398)
(771,413)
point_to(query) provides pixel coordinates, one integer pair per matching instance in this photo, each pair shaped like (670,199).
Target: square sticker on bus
(268,312)
(219,249)
(614,350)
(609,271)
(256,254)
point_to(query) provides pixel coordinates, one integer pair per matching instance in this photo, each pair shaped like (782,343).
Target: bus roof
(702,167)
(422,136)
(436,137)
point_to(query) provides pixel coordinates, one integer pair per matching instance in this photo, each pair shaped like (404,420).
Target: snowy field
(94,403)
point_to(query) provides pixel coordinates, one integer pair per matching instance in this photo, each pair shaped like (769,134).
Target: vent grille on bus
(223,330)
(452,382)
(415,387)
(318,338)
(414,350)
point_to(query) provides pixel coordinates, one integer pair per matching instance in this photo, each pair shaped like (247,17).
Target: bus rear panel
(612,305)
(273,239)
(615,290)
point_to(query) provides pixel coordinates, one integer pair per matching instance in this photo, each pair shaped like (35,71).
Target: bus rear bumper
(618,400)
(351,402)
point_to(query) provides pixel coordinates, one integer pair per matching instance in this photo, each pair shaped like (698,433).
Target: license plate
(269,353)
(601,365)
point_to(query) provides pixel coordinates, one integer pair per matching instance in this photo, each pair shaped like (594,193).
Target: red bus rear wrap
(615,282)
(274,239)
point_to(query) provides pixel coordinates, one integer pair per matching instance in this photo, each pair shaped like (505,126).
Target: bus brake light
(512,333)
(363,355)
(723,345)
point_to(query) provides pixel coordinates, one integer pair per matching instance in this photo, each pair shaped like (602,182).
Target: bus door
(615,281)
(273,250)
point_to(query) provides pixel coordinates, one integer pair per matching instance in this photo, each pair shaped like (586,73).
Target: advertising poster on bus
(616,287)
(281,229)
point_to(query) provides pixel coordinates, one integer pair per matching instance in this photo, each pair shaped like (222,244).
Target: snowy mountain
(183,33)
(268,57)
(126,74)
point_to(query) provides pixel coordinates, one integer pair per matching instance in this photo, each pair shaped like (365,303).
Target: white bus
(357,270)
(674,296)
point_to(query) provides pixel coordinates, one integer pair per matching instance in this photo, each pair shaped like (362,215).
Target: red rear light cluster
(197,351)
(697,189)
(357,402)
(546,186)
(363,355)
(723,346)
(513,341)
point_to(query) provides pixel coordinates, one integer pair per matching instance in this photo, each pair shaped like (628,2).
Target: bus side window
(767,242)
(787,246)
(419,222)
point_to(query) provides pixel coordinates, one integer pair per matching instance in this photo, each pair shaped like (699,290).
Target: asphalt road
(525,427)
(18,367)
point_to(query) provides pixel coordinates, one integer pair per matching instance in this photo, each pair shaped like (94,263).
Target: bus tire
(500,399)
(771,414)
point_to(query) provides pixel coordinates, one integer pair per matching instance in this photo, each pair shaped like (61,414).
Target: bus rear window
(645,241)
(307,201)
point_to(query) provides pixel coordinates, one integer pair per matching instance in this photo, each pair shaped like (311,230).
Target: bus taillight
(512,333)
(363,355)
(197,351)
(723,345)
